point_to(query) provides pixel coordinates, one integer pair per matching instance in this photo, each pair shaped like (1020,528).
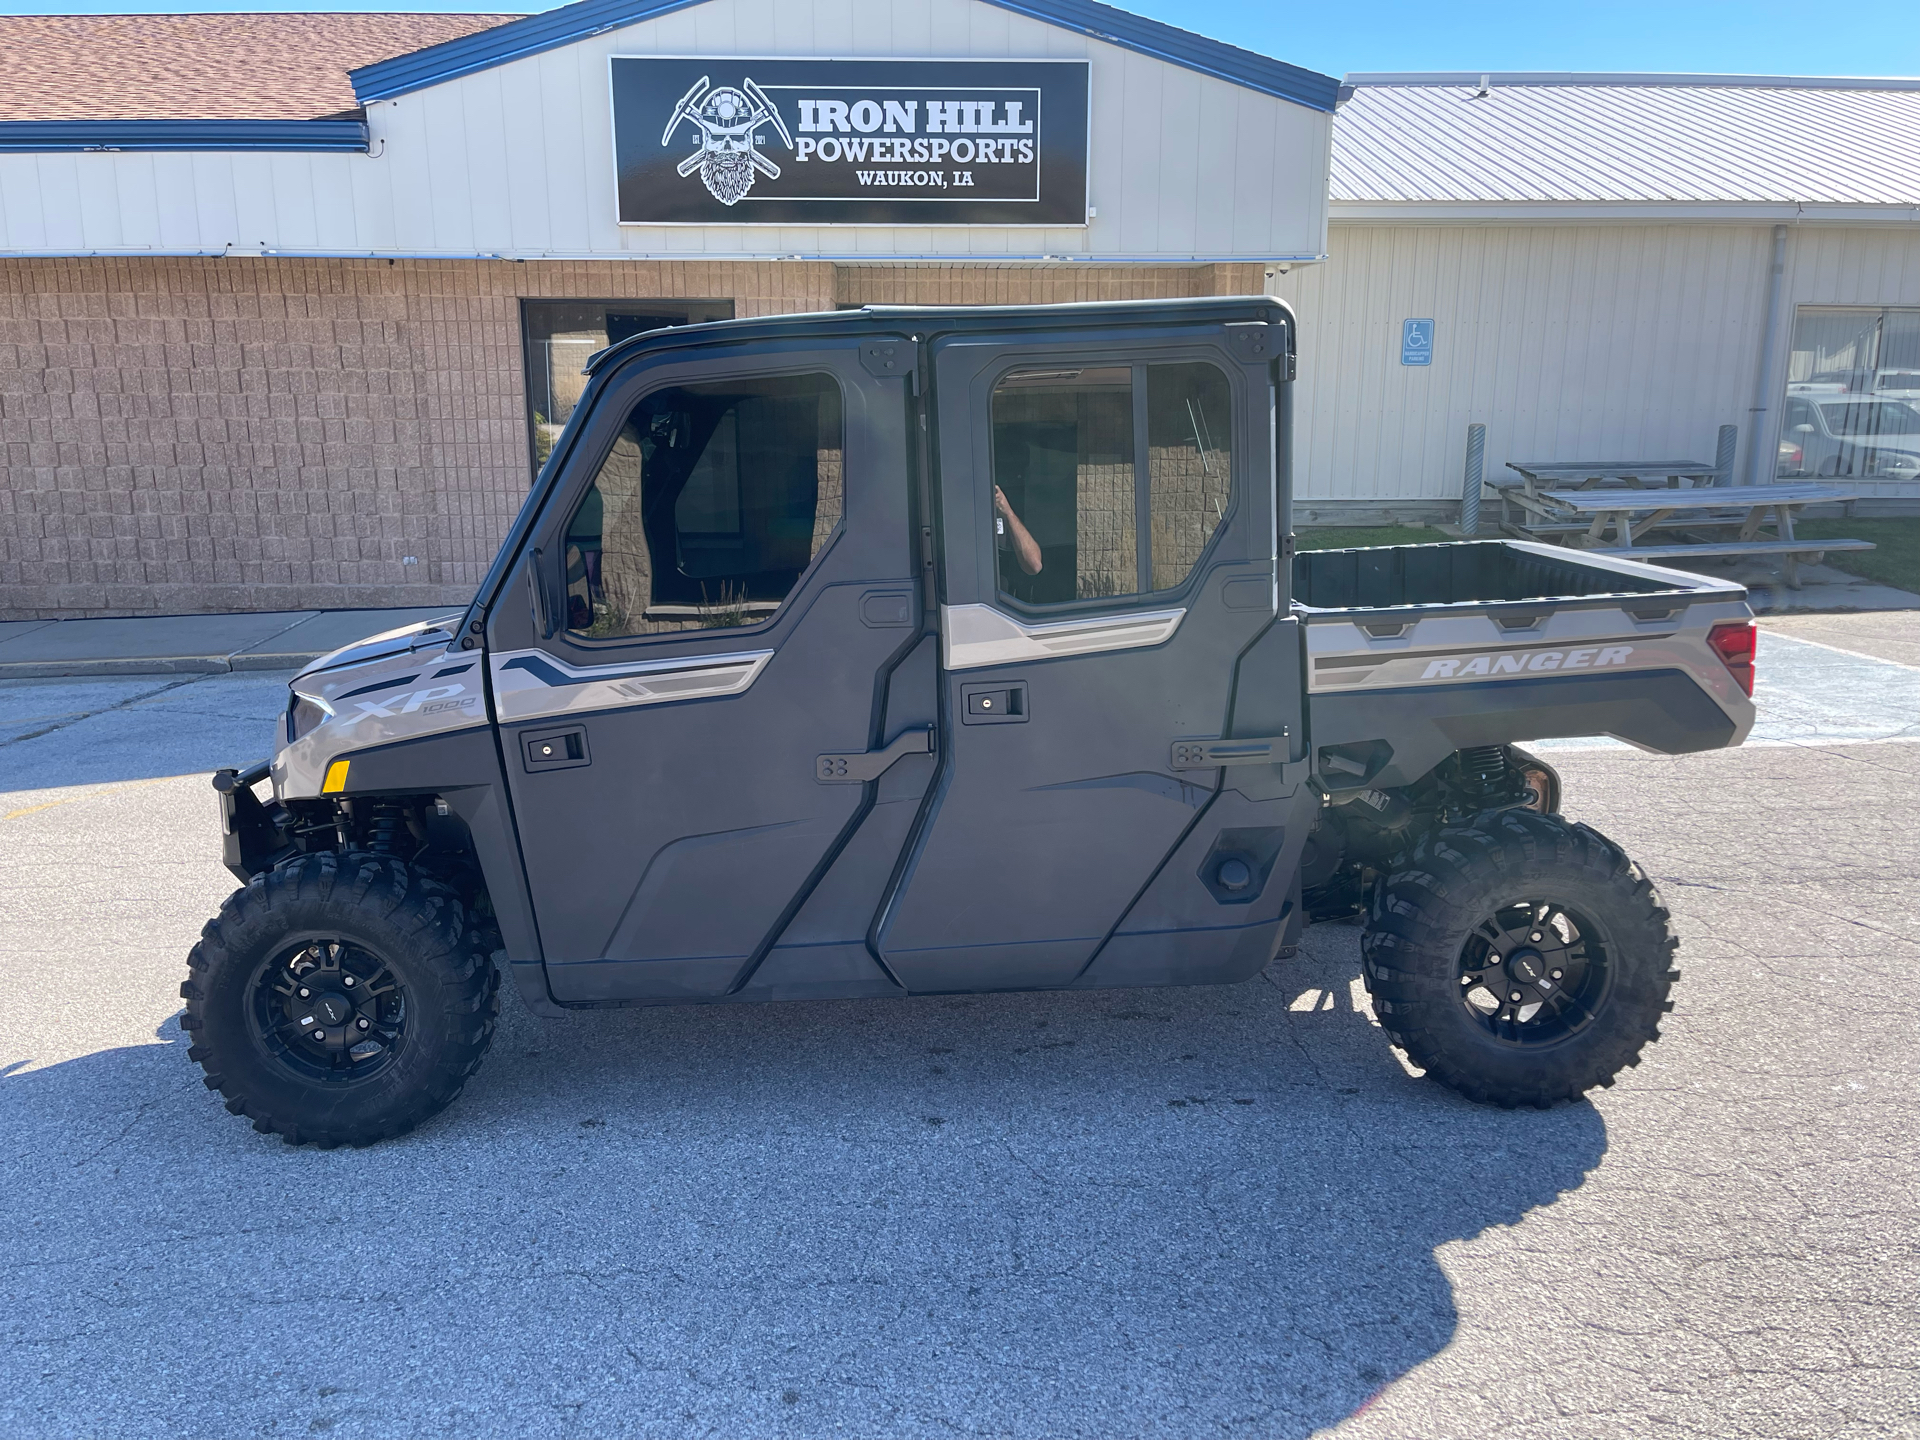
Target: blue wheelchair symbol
(1416,342)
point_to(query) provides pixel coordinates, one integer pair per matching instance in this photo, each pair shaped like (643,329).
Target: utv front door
(1109,529)
(719,592)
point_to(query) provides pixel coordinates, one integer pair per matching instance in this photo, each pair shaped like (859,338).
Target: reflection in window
(1071,494)
(713,501)
(1064,515)
(1189,465)
(561,334)
(1852,407)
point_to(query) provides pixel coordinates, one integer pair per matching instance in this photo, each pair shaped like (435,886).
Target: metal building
(294,304)
(1596,256)
(291,306)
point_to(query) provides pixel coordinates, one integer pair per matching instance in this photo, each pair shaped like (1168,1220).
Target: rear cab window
(1109,480)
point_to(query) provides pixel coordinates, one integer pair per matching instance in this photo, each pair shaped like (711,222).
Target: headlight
(304,712)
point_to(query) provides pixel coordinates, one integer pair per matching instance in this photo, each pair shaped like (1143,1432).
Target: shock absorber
(1483,773)
(386,827)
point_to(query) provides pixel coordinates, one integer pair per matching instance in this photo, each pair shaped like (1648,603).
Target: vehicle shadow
(1138,1212)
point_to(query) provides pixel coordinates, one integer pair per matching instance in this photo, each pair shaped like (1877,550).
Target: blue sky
(1858,37)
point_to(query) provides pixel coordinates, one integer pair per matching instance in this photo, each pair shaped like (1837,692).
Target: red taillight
(1733,642)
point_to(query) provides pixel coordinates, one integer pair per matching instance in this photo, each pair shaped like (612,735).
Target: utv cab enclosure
(899,652)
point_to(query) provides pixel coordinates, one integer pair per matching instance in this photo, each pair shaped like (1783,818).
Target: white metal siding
(518,160)
(1853,267)
(1567,342)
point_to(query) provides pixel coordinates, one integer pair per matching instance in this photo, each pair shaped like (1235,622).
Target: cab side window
(1064,514)
(713,502)
(1108,480)
(1189,465)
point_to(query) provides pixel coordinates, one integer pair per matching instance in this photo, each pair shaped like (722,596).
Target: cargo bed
(1498,641)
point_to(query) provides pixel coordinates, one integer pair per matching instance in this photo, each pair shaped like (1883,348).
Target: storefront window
(1852,407)
(561,334)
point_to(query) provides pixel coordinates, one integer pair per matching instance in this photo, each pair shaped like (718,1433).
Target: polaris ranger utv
(903,652)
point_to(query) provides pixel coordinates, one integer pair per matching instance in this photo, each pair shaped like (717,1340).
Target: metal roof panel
(1628,139)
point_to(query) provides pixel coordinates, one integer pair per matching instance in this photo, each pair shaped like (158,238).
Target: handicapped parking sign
(1416,342)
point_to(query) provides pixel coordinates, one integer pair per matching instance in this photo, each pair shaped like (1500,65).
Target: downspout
(1762,422)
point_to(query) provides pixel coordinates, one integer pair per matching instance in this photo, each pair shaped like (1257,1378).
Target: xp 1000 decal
(733,141)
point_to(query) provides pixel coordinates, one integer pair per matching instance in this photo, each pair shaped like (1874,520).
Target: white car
(1850,435)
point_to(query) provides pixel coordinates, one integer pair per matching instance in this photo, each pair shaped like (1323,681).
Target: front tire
(339,999)
(1520,960)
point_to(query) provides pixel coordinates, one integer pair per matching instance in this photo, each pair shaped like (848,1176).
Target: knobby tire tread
(416,909)
(1418,920)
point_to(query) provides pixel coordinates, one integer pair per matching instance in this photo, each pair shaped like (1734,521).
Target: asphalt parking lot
(1147,1213)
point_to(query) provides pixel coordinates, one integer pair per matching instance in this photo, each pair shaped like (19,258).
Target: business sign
(1416,342)
(741,141)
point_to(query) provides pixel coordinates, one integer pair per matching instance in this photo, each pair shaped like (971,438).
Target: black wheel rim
(329,1010)
(1535,973)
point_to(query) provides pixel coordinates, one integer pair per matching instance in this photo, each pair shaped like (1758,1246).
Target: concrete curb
(162,665)
(275,661)
(189,644)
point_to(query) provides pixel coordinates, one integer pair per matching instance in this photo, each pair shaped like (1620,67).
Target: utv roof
(946,319)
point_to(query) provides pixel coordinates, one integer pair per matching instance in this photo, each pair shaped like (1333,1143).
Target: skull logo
(728,121)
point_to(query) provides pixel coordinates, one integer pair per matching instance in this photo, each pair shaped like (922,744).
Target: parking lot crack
(139,1114)
(65,721)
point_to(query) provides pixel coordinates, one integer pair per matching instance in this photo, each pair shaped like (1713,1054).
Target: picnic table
(1736,514)
(1538,476)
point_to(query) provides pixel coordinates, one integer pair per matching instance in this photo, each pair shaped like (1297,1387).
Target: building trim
(1625,212)
(1184,48)
(852,260)
(1637,79)
(17,136)
(518,39)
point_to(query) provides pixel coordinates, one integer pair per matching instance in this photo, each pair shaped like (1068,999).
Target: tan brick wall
(190,435)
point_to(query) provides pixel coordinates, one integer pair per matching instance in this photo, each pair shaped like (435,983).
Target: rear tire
(339,999)
(1520,960)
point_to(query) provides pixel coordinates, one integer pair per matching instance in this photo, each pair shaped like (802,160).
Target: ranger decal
(1593,658)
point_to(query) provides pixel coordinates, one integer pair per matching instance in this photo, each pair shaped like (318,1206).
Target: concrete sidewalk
(188,644)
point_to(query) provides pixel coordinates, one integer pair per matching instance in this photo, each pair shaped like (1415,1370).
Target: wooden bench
(1793,552)
(1737,547)
(1634,473)
(1537,475)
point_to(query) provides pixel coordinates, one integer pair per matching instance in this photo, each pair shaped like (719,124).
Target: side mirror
(1803,429)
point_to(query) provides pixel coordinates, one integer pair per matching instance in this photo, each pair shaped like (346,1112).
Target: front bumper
(250,842)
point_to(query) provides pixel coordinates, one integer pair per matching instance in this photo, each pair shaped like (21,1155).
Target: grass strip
(1896,562)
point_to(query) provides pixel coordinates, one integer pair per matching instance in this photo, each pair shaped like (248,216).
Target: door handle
(861,766)
(1004,703)
(555,749)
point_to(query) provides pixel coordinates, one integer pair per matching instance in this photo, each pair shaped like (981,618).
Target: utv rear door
(719,593)
(1109,525)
